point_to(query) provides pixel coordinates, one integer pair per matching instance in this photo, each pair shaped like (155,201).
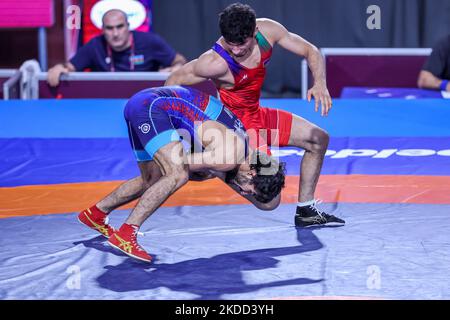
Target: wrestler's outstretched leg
(95,217)
(314,141)
(170,159)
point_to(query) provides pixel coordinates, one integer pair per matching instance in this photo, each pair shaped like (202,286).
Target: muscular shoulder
(265,22)
(271,29)
(211,64)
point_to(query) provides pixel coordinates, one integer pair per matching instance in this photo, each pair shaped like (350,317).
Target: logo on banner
(375,154)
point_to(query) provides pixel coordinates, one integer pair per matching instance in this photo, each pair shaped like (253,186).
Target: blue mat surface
(231,252)
(386,251)
(50,161)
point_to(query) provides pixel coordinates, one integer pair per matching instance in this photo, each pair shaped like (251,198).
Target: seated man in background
(120,49)
(435,73)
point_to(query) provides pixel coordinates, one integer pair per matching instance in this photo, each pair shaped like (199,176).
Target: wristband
(443,85)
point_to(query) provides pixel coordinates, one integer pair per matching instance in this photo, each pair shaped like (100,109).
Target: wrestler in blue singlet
(155,116)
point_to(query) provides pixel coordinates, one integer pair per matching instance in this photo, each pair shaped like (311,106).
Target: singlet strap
(233,65)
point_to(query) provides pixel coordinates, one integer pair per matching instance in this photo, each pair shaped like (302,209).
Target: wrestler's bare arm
(292,42)
(208,66)
(217,158)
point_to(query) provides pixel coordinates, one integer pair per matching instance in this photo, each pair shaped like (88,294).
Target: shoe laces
(322,217)
(314,207)
(134,240)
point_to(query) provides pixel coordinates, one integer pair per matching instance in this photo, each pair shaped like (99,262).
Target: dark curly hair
(237,22)
(269,178)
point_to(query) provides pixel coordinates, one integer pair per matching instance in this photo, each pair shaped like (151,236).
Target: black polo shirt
(438,63)
(150,53)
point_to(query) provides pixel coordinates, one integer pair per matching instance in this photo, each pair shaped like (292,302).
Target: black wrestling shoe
(310,215)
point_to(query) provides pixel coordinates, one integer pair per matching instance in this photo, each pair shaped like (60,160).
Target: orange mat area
(64,198)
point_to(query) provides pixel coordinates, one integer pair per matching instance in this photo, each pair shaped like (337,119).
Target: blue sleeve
(84,57)
(161,51)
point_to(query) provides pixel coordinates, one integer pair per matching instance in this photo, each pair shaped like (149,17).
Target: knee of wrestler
(150,174)
(146,184)
(325,139)
(183,178)
(180,175)
(153,178)
(320,139)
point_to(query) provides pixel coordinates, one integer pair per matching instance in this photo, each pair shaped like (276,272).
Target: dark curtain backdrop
(190,26)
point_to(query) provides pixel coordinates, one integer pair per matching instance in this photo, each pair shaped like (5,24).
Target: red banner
(26,13)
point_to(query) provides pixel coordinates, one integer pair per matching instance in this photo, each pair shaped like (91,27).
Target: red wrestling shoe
(96,219)
(125,240)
